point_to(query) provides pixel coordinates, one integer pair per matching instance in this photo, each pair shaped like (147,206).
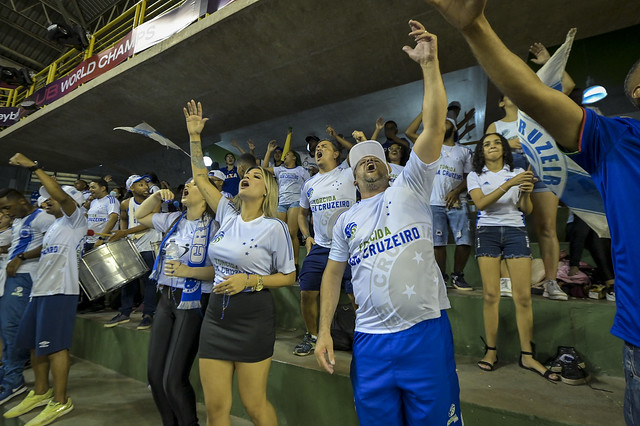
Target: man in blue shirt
(608,148)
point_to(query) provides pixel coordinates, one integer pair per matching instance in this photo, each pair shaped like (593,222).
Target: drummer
(103,213)
(185,285)
(142,237)
(47,324)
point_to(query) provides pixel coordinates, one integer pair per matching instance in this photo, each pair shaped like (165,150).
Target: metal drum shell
(109,267)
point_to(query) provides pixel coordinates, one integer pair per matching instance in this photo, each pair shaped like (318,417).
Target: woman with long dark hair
(502,195)
(184,276)
(251,253)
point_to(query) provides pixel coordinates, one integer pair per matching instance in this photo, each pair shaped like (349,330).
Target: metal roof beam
(32,35)
(38,65)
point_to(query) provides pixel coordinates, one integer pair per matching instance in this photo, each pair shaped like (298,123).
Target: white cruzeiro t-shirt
(261,246)
(26,238)
(455,162)
(503,212)
(183,237)
(327,195)
(61,249)
(98,214)
(142,239)
(290,183)
(388,241)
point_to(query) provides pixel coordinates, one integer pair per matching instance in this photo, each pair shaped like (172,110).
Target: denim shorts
(508,242)
(456,219)
(631,360)
(283,208)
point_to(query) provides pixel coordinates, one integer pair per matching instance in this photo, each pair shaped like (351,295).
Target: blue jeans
(129,290)
(631,359)
(12,305)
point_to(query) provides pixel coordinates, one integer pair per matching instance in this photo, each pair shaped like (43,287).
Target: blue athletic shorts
(508,242)
(47,323)
(408,377)
(313,268)
(456,219)
(283,208)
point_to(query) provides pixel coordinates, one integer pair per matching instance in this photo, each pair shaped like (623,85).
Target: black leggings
(581,236)
(172,349)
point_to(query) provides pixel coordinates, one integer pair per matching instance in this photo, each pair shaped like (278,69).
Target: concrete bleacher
(303,394)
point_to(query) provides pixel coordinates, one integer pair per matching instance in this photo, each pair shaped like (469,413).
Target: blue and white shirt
(26,234)
(98,215)
(61,249)
(261,246)
(290,183)
(388,242)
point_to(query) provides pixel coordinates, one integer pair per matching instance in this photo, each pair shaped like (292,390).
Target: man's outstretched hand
(426,49)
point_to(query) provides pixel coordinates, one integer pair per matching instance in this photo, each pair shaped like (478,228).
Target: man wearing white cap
(218,178)
(143,238)
(403,369)
(46,327)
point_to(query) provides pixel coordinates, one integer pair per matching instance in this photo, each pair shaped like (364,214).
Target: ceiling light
(593,94)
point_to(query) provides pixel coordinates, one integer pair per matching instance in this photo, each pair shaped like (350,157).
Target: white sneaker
(610,294)
(505,287)
(553,291)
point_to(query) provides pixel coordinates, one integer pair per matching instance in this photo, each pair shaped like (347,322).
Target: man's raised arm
(434,102)
(558,114)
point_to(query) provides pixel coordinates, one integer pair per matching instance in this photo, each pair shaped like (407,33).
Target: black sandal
(487,363)
(546,374)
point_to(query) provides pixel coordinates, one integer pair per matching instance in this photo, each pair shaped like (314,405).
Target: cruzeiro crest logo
(309,192)
(218,237)
(350,229)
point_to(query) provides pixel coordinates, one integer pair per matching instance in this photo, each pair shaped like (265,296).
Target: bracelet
(304,237)
(35,167)
(503,190)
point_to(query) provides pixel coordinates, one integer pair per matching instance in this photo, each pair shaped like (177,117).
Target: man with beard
(143,237)
(403,369)
(326,195)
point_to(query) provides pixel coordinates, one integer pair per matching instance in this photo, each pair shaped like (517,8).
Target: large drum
(109,267)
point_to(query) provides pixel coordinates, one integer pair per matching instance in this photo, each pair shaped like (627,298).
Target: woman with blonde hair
(251,253)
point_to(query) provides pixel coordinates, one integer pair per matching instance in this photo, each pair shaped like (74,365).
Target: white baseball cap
(73,193)
(365,149)
(218,174)
(133,179)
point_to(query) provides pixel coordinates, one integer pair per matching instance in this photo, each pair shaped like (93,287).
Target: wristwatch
(20,256)
(35,167)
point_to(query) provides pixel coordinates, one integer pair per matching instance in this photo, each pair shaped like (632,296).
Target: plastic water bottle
(172,251)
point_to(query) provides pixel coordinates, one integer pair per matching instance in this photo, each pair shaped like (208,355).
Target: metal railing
(103,39)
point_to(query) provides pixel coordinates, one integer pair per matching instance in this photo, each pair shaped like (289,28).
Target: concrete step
(103,397)
(304,394)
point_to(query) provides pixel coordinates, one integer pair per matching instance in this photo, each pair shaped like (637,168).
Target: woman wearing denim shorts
(502,195)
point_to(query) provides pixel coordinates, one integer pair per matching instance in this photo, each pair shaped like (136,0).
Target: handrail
(104,38)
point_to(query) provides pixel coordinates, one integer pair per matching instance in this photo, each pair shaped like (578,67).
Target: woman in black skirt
(251,253)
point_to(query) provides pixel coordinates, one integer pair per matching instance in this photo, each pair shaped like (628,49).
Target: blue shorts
(313,268)
(47,323)
(508,242)
(283,208)
(520,160)
(408,377)
(456,219)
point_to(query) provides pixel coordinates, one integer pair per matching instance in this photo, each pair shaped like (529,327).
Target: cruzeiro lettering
(327,203)
(382,240)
